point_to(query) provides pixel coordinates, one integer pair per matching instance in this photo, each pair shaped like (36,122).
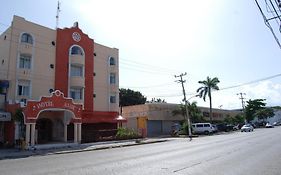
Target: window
(112,78)
(207,125)
(26,38)
(112,61)
(25,61)
(24,87)
(75,50)
(76,71)
(76,93)
(199,126)
(113,99)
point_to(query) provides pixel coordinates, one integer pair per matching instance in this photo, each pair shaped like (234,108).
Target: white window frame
(112,78)
(112,61)
(25,57)
(82,50)
(28,37)
(77,66)
(81,89)
(25,88)
(112,99)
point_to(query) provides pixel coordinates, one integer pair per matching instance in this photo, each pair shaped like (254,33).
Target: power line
(152,86)
(266,21)
(135,62)
(251,82)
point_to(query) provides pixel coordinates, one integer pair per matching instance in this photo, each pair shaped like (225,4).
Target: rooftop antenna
(57,16)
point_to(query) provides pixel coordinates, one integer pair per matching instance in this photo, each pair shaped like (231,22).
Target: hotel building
(66,85)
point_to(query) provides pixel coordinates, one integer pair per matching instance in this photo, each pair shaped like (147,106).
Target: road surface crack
(175,171)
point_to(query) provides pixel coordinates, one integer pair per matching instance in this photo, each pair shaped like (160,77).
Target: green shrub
(184,129)
(125,133)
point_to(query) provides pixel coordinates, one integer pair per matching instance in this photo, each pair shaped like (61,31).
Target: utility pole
(243,103)
(185,102)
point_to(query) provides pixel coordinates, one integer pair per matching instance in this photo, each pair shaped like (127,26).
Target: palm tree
(193,111)
(208,86)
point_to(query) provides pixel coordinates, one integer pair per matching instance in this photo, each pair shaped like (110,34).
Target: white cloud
(230,100)
(265,90)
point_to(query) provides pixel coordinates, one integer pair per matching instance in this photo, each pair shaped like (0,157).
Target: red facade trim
(64,43)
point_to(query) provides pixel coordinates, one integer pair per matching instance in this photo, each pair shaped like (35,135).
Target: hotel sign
(55,102)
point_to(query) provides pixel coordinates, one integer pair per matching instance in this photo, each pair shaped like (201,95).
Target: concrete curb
(24,154)
(108,147)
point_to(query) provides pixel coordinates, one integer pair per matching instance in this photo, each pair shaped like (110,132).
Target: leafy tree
(128,97)
(193,111)
(18,116)
(239,119)
(208,85)
(264,113)
(158,100)
(234,120)
(252,107)
(229,120)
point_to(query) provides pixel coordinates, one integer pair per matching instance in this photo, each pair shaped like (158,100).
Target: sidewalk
(64,148)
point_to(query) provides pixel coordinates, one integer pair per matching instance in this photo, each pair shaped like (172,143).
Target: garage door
(154,128)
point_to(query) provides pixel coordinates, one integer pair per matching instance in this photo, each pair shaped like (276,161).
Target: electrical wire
(268,24)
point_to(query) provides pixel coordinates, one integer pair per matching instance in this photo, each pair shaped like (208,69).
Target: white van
(202,128)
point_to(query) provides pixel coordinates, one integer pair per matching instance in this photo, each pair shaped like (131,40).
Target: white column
(17,130)
(27,134)
(75,132)
(79,132)
(32,134)
(65,132)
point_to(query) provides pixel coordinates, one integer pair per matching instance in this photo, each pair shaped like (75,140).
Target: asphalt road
(254,153)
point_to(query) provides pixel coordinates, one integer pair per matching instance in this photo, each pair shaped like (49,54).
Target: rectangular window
(25,62)
(24,87)
(76,93)
(76,71)
(207,125)
(200,126)
(112,78)
(113,99)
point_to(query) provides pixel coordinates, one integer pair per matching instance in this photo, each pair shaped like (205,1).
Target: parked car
(229,128)
(236,127)
(221,127)
(203,128)
(247,128)
(225,127)
(215,128)
(268,125)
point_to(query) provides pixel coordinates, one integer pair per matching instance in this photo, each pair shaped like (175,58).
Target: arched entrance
(44,128)
(48,119)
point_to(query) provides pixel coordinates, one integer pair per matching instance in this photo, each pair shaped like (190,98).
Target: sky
(159,39)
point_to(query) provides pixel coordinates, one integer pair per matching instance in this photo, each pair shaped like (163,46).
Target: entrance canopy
(56,101)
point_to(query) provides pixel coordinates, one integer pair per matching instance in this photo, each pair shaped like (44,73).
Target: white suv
(203,128)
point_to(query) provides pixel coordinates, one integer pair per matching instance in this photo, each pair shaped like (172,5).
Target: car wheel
(206,132)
